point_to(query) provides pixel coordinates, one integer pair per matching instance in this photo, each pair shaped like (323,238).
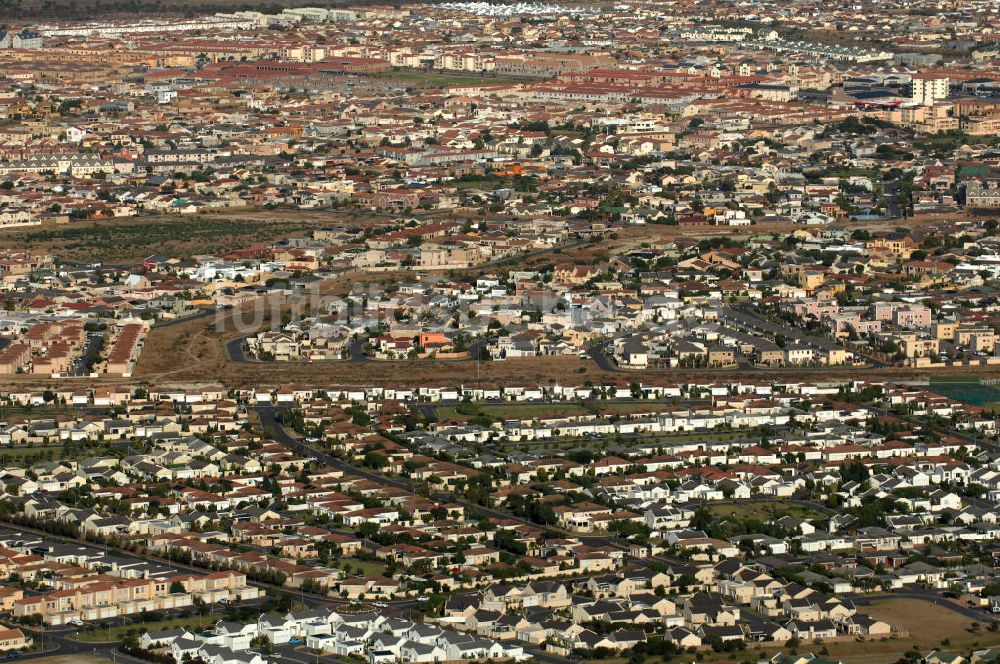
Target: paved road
(603,362)
(268,415)
(890,198)
(90,355)
(475,348)
(236,349)
(57,642)
(357,349)
(268,419)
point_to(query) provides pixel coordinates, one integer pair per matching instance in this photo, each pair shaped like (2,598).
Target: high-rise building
(929,88)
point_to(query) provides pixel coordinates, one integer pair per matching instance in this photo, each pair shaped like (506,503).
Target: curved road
(268,420)
(267,415)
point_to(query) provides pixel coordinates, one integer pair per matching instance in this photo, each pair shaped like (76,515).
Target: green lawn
(763,509)
(480,183)
(709,435)
(192,623)
(524,411)
(28,454)
(516,411)
(118,240)
(441,80)
(368,567)
(610,408)
(963,388)
(48,410)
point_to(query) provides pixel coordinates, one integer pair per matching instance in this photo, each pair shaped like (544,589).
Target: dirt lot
(183,350)
(928,626)
(128,240)
(131,239)
(194,351)
(22,10)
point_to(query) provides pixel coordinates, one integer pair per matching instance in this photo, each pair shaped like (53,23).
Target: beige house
(13,639)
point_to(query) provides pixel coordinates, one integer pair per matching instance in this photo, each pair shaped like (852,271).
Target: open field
(70,659)
(518,411)
(178,350)
(129,240)
(192,623)
(22,10)
(179,236)
(201,357)
(441,79)
(928,625)
(29,454)
(194,351)
(967,390)
(368,567)
(34,412)
(763,510)
(611,408)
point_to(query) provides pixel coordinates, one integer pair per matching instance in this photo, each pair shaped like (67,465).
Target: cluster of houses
(182,473)
(765,303)
(628,606)
(80,583)
(377,638)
